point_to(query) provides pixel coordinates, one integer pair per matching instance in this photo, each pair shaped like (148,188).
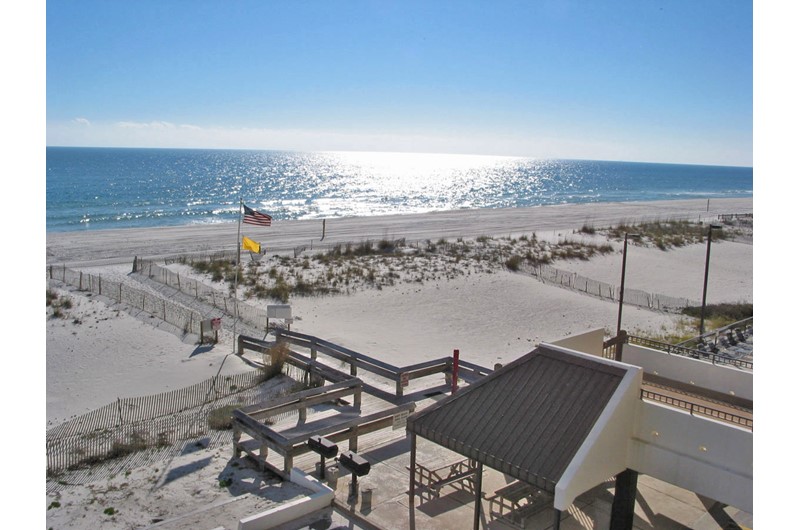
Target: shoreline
(114,246)
(492,316)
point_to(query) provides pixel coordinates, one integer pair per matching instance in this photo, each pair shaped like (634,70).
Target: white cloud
(537,144)
(82,121)
(151,125)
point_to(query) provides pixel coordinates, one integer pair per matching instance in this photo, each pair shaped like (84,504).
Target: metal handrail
(696,409)
(673,349)
(717,332)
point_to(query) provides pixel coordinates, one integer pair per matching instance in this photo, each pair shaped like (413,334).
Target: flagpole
(236,273)
(239,235)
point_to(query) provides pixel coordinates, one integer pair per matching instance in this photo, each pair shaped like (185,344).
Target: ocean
(104,188)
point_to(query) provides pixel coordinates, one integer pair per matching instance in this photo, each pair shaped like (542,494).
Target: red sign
(216,324)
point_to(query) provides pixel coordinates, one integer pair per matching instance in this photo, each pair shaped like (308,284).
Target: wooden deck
(275,446)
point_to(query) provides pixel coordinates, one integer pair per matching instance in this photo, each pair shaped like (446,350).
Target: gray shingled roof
(527,419)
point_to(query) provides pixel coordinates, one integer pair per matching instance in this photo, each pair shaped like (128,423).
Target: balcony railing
(696,409)
(609,349)
(672,349)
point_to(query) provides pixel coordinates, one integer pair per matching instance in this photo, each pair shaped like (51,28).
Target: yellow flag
(252,246)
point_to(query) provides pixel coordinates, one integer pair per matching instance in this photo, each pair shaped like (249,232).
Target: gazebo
(556,420)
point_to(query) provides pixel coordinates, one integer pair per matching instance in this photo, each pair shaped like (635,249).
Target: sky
(635,80)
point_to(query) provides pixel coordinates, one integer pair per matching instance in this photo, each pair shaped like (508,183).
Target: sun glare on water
(433,181)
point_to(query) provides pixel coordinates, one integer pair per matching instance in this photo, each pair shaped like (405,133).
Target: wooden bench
(253,435)
(518,502)
(460,474)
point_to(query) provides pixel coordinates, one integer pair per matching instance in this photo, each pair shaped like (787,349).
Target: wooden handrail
(358,360)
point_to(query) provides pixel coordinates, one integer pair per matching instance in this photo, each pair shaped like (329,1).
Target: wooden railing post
(237,435)
(353,441)
(622,338)
(302,410)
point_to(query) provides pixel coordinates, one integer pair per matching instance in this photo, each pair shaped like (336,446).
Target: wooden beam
(350,384)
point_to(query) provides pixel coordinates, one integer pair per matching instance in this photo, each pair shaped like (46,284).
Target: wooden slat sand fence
(255,316)
(159,307)
(606,291)
(133,424)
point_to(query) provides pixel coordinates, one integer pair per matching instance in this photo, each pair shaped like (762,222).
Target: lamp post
(705,279)
(622,280)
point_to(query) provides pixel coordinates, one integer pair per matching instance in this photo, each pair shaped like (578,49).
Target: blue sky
(633,80)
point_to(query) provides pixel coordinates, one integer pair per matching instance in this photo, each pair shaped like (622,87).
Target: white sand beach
(100,351)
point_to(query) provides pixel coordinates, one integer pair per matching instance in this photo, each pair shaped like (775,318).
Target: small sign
(404,379)
(399,420)
(216,324)
(279,311)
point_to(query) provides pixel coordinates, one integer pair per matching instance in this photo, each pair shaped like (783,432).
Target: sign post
(214,324)
(454,382)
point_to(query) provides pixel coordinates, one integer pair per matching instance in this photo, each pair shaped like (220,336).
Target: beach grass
(346,268)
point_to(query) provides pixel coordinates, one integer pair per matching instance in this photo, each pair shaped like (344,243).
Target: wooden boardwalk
(275,445)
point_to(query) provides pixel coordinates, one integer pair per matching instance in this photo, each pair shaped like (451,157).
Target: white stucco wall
(721,378)
(705,456)
(321,497)
(590,342)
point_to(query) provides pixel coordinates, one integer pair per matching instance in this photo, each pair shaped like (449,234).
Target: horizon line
(555,158)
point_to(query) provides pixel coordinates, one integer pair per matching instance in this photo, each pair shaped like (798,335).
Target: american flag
(252,217)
